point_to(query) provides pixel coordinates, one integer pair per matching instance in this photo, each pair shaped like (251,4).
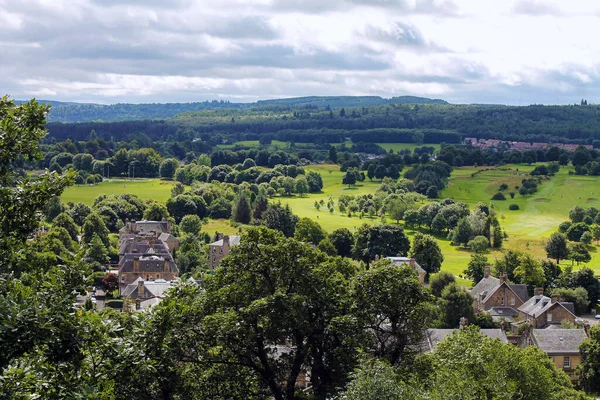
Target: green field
(146,189)
(539,214)
(396,147)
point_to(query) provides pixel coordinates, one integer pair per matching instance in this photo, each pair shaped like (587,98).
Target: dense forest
(391,123)
(85,112)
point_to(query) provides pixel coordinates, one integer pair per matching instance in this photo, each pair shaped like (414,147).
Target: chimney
(486,271)
(555,298)
(219,236)
(140,287)
(504,277)
(136,264)
(376,257)
(411,262)
(463,323)
(538,291)
(225,245)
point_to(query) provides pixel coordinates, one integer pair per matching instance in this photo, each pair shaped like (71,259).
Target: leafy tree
(309,231)
(327,247)
(411,218)
(439,223)
(578,296)
(280,218)
(376,379)
(586,238)
(392,307)
(350,177)
(371,171)
(110,282)
(380,172)
(556,247)
(302,186)
(476,267)
(79,212)
(380,240)
(427,252)
(590,361)
(529,271)
(253,306)
(437,282)
(191,224)
(576,214)
(177,189)
(586,279)
(333,154)
(343,241)
(456,303)
(579,253)
(156,212)
(498,237)
(94,225)
(463,232)
(64,220)
(315,182)
(576,230)
(96,251)
(168,167)
(242,212)
(479,244)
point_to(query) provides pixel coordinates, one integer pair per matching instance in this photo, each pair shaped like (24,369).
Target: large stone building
(145,252)
(220,249)
(562,346)
(492,293)
(540,311)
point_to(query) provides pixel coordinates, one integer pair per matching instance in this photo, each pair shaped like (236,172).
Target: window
(512,301)
(549,319)
(567,362)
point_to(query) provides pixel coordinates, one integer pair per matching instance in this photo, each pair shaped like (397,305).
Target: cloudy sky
(463,51)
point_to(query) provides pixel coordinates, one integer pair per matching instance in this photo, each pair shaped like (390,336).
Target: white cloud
(185,50)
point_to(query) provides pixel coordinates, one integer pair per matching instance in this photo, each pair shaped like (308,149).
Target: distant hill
(87,112)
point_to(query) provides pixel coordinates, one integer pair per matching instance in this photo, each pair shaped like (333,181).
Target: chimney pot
(504,277)
(555,298)
(411,262)
(486,271)
(538,291)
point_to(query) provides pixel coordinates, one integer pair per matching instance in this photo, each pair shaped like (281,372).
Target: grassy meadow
(539,214)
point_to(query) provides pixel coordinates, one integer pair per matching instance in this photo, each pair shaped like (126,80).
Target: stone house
(137,294)
(491,292)
(562,346)
(540,311)
(220,249)
(410,262)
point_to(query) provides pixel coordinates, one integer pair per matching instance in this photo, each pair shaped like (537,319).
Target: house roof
(539,304)
(484,287)
(234,240)
(520,290)
(558,341)
(155,288)
(433,337)
(166,236)
(406,260)
(508,312)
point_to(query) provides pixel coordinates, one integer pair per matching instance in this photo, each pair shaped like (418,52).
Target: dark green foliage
(309,231)
(499,196)
(437,282)
(456,303)
(343,241)
(427,252)
(576,230)
(315,182)
(168,167)
(462,233)
(156,211)
(64,220)
(380,240)
(242,212)
(513,207)
(94,225)
(476,267)
(280,218)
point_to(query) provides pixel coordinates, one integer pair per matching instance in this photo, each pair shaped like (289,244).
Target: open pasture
(146,189)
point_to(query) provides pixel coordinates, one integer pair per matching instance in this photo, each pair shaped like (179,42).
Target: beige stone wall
(559,361)
(503,294)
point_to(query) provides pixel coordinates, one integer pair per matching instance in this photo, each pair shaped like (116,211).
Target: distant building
(410,262)
(562,346)
(145,252)
(220,249)
(540,311)
(491,292)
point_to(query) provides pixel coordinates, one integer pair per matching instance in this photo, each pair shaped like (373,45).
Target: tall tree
(242,212)
(380,240)
(309,231)
(427,253)
(94,225)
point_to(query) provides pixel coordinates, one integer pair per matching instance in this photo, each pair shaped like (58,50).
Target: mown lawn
(146,189)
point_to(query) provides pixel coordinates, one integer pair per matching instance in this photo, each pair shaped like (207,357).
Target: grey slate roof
(520,290)
(433,337)
(503,312)
(155,288)
(537,305)
(406,260)
(485,287)
(234,240)
(558,341)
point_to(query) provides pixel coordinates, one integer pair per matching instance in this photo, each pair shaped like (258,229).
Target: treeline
(385,123)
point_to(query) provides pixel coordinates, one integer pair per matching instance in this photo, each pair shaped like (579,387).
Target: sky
(514,52)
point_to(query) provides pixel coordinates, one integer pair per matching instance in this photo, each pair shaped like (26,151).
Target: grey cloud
(431,7)
(535,8)
(398,34)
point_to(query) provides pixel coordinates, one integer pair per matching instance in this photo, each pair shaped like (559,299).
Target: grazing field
(146,189)
(539,214)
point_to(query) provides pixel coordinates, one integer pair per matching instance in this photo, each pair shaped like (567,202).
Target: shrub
(513,206)
(499,196)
